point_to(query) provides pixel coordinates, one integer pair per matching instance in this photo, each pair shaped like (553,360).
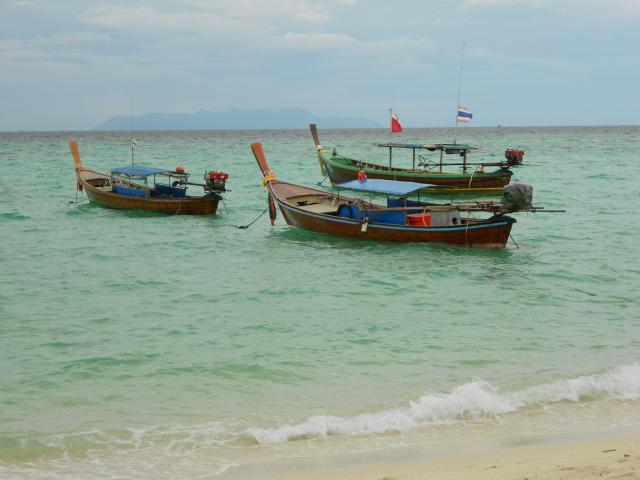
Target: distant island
(234,119)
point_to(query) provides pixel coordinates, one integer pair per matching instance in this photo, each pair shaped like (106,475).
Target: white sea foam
(620,383)
(170,451)
(472,400)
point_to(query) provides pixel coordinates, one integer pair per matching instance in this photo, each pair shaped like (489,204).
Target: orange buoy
(180,169)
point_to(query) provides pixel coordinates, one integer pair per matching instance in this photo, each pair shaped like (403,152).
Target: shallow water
(135,343)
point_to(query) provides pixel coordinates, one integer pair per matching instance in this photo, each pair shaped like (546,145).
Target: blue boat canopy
(378,185)
(141,172)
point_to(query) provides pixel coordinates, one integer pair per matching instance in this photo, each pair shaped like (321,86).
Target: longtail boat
(472,179)
(401,220)
(149,188)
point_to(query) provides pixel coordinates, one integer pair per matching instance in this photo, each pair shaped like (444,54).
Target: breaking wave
(219,445)
(472,400)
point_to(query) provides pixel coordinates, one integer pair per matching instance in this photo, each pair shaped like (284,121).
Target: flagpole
(390,130)
(464,44)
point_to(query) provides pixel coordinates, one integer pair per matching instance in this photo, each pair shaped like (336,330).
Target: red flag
(395,124)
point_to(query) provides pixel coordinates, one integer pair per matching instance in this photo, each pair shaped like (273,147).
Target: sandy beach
(615,457)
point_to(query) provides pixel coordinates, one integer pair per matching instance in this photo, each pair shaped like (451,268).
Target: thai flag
(464,115)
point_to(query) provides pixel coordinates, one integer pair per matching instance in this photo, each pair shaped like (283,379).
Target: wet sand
(616,457)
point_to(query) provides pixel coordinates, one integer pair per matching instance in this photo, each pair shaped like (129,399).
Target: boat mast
(133,140)
(459,90)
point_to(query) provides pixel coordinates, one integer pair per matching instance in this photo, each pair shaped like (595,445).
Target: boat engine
(513,156)
(215,181)
(516,196)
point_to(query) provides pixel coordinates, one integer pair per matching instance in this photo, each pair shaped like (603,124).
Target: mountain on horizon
(234,119)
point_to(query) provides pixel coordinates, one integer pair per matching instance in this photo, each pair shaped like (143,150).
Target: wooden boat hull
(98,190)
(342,169)
(491,233)
(207,205)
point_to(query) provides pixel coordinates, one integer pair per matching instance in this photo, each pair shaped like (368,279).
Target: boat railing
(426,163)
(127,187)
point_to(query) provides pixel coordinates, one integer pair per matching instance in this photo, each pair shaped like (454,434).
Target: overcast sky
(70,64)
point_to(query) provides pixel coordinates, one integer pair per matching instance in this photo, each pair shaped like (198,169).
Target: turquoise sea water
(136,345)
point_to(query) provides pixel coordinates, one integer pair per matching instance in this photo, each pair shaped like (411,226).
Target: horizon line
(327,128)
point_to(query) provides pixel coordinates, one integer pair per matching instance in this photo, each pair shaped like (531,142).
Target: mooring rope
(242,227)
(466,234)
(77,202)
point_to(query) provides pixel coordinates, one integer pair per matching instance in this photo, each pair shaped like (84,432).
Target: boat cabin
(399,210)
(136,181)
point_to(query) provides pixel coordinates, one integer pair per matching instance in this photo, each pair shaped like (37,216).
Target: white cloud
(316,40)
(478,52)
(630,6)
(280,11)
(242,19)
(347,44)
(148,18)
(209,15)
(610,7)
(492,3)
(69,47)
